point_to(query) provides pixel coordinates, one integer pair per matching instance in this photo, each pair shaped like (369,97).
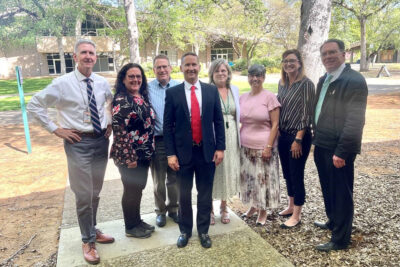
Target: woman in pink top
(259,161)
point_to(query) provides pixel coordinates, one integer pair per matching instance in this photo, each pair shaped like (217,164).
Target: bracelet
(298,140)
(268,146)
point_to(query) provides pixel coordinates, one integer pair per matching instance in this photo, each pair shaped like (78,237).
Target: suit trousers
(204,175)
(164,180)
(337,190)
(293,169)
(87,162)
(134,181)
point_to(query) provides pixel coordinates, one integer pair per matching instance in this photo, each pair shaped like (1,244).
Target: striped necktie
(94,114)
(321,98)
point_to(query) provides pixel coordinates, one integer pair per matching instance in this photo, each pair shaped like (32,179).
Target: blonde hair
(215,66)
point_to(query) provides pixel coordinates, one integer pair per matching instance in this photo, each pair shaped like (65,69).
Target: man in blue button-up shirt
(164,178)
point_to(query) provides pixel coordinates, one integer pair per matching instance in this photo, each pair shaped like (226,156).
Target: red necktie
(196,120)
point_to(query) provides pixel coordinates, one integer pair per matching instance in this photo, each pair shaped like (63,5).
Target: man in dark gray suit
(338,126)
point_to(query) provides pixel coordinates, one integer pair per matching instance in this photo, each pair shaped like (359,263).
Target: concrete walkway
(233,244)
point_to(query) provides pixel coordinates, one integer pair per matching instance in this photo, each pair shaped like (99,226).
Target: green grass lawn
(12,103)
(30,85)
(245,86)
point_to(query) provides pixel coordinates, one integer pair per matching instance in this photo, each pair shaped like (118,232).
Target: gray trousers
(164,181)
(87,162)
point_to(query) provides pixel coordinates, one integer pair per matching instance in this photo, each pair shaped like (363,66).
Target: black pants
(204,175)
(134,181)
(293,169)
(337,190)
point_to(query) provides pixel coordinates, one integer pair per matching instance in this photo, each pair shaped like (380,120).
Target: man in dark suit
(195,142)
(338,126)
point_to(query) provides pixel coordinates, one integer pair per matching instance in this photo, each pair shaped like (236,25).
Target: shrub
(272,65)
(240,64)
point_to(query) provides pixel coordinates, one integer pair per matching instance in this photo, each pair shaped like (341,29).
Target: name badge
(86,117)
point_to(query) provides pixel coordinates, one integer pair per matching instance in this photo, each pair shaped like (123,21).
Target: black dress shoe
(321,225)
(183,239)
(330,246)
(174,216)
(147,226)
(284,226)
(161,220)
(205,240)
(138,232)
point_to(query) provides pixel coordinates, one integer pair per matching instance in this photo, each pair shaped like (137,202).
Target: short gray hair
(256,70)
(189,54)
(160,56)
(83,41)
(215,66)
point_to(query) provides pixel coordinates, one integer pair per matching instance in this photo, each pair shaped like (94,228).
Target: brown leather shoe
(90,253)
(103,238)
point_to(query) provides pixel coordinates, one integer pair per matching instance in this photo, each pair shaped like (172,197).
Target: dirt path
(32,186)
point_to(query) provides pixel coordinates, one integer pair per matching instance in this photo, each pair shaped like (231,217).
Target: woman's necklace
(226,108)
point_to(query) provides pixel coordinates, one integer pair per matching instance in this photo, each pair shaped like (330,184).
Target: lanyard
(226,108)
(80,89)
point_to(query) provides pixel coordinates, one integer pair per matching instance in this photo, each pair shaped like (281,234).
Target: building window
(54,63)
(105,62)
(92,26)
(171,54)
(225,53)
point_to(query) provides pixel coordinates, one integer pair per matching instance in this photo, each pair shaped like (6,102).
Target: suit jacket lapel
(204,98)
(183,100)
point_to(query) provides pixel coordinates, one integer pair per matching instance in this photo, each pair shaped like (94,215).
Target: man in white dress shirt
(83,103)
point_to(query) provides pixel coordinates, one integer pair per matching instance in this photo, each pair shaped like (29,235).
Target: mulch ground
(32,192)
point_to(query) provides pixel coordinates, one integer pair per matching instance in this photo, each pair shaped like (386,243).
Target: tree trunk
(197,49)
(78,28)
(61,53)
(363,45)
(145,51)
(133,32)
(158,46)
(314,29)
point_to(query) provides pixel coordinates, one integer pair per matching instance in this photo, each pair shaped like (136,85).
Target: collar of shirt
(188,85)
(163,87)
(80,77)
(336,73)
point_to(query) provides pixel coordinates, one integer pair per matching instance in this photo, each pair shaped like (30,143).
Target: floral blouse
(133,126)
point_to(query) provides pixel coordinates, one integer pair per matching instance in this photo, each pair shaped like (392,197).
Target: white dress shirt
(188,92)
(68,94)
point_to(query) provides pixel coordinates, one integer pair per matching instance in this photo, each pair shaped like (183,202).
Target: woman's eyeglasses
(289,61)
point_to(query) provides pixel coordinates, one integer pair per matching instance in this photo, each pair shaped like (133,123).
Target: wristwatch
(298,140)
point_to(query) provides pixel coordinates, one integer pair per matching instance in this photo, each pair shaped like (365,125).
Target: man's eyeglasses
(329,53)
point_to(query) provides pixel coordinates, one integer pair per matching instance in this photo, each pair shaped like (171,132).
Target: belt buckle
(195,144)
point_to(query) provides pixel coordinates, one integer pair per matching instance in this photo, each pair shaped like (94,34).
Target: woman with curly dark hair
(133,144)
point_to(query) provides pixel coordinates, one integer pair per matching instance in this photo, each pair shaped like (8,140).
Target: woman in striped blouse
(296,95)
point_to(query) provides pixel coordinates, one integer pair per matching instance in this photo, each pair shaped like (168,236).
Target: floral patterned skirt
(259,178)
